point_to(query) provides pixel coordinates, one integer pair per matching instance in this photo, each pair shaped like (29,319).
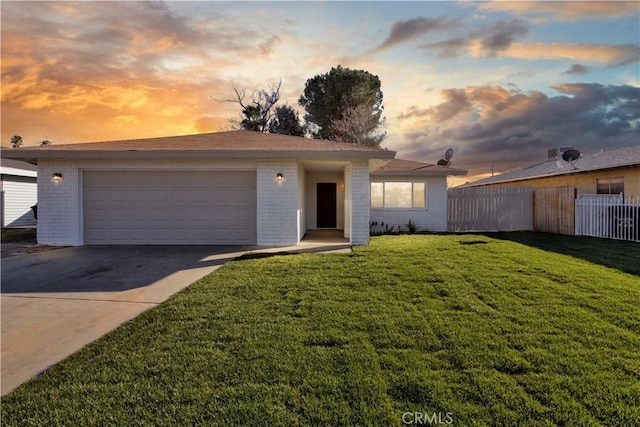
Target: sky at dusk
(500,82)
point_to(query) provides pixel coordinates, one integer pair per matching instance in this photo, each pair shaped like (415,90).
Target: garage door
(169,207)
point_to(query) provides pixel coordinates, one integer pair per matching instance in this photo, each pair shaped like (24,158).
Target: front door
(326,204)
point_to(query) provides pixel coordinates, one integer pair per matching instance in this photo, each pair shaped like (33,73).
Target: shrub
(412,228)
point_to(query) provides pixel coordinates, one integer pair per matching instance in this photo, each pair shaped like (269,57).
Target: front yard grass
(484,329)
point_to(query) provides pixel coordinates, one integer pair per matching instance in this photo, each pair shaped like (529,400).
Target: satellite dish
(446,160)
(448,154)
(570,155)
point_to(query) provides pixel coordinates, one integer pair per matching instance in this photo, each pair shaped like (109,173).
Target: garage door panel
(181,195)
(96,178)
(98,196)
(169,207)
(243,198)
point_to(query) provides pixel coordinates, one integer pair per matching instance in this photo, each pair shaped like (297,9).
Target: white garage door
(169,207)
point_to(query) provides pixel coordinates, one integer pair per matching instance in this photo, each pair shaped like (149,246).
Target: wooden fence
(490,209)
(550,210)
(554,210)
(608,216)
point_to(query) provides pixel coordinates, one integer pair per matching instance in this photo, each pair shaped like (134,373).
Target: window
(398,195)
(377,195)
(614,185)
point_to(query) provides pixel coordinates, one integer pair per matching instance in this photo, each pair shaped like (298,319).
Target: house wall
(312,179)
(348,201)
(432,218)
(278,203)
(584,183)
(19,193)
(357,177)
(302,212)
(60,204)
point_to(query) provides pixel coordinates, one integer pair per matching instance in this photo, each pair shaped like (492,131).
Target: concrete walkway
(53,303)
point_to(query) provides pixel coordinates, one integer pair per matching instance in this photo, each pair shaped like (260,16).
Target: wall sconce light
(57,177)
(279,177)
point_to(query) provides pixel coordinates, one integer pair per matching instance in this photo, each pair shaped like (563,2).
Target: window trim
(412,182)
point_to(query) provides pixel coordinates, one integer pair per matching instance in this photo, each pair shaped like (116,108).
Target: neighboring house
(18,192)
(236,187)
(606,172)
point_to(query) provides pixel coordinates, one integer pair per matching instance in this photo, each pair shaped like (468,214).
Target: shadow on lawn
(301,250)
(621,255)
(261,255)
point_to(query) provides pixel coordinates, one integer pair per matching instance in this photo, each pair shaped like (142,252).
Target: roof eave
(32,155)
(552,175)
(420,172)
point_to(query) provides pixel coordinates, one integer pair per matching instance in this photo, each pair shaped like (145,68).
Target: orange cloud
(564,10)
(90,110)
(607,54)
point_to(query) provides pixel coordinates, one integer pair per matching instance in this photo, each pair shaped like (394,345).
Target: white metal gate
(608,216)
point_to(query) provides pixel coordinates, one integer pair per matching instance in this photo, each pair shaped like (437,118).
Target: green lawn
(496,329)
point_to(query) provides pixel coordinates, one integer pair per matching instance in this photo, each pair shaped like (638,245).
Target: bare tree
(16,141)
(256,112)
(358,126)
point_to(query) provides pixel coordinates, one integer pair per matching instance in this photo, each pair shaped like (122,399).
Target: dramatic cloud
(489,40)
(128,69)
(564,10)
(451,48)
(577,69)
(86,71)
(509,128)
(402,31)
(500,35)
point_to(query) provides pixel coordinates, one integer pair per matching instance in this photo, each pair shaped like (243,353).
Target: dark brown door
(326,204)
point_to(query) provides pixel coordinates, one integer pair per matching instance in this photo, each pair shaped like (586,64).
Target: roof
(17,164)
(240,143)
(17,168)
(610,159)
(410,167)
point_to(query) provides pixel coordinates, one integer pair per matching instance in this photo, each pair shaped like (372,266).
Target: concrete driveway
(56,302)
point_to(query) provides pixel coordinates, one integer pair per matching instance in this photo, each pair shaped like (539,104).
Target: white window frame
(404,181)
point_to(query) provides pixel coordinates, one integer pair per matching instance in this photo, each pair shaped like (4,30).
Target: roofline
(32,155)
(419,172)
(527,178)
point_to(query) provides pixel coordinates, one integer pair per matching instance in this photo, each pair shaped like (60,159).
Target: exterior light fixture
(57,177)
(279,177)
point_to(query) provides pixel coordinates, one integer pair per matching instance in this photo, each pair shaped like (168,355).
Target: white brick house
(236,187)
